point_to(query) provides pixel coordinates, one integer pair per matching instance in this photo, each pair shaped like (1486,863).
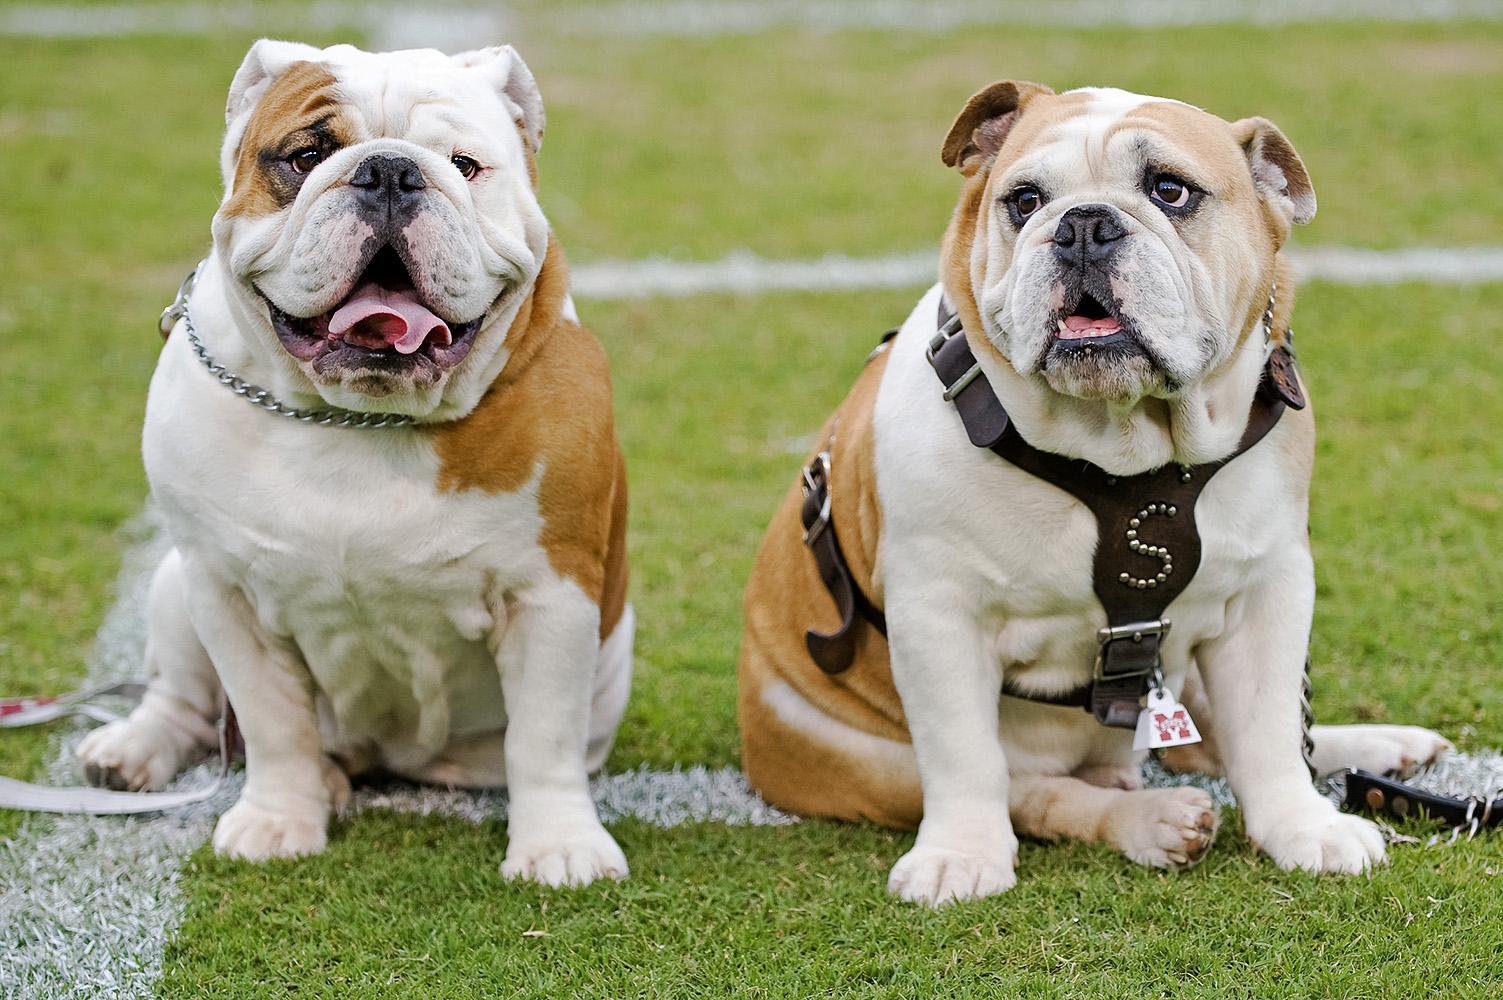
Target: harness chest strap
(1148,548)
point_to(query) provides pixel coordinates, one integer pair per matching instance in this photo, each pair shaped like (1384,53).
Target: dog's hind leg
(1162,827)
(1399,750)
(175,721)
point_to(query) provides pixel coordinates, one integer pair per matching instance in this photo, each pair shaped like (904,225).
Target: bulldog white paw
(935,876)
(571,861)
(1327,841)
(135,754)
(1164,827)
(251,833)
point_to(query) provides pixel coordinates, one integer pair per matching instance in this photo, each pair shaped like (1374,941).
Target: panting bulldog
(1000,527)
(426,578)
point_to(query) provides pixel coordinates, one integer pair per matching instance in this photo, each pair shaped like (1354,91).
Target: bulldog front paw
(1328,841)
(1164,827)
(935,876)
(250,833)
(135,754)
(568,861)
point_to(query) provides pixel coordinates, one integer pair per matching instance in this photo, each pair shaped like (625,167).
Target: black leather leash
(1388,796)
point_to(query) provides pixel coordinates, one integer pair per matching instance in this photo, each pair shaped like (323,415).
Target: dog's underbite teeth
(1090,319)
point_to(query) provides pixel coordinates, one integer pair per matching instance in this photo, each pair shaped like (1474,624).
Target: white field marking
(744,17)
(466,25)
(743,272)
(451,27)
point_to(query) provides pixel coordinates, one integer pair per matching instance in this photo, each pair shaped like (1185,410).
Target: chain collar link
(254,394)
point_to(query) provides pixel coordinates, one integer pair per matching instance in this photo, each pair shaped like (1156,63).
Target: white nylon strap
(85,798)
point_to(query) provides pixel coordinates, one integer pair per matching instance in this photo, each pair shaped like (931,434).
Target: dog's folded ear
(266,60)
(515,83)
(983,124)
(1277,171)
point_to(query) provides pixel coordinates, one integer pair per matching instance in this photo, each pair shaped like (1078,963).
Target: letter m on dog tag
(1164,723)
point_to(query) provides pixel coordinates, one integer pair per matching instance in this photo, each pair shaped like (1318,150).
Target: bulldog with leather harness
(1115,263)
(1150,516)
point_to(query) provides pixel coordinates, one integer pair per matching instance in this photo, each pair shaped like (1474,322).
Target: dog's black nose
(388,185)
(1088,233)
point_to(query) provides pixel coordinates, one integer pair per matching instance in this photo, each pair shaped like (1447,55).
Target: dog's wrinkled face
(1122,246)
(380,214)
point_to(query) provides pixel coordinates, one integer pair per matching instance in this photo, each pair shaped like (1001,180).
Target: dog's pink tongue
(377,317)
(1079,327)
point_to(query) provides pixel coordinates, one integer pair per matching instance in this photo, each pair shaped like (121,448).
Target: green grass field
(794,144)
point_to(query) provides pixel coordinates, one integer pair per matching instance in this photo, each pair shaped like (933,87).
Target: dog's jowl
(1077,478)
(409,557)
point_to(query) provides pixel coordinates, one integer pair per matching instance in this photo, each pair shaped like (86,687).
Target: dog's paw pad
(935,877)
(130,755)
(251,833)
(1333,842)
(1166,827)
(570,861)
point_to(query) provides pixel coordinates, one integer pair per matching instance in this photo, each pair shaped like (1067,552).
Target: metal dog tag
(1164,723)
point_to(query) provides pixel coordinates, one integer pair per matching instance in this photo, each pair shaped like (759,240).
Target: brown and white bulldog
(1110,260)
(443,599)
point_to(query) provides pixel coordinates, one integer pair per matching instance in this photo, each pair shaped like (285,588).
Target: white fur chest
(1023,550)
(391,591)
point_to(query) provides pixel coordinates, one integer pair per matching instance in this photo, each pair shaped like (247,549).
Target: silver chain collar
(254,394)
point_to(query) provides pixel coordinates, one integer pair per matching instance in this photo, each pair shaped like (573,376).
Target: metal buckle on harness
(945,333)
(817,474)
(1134,632)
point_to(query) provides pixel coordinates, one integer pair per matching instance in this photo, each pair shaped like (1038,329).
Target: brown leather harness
(1148,547)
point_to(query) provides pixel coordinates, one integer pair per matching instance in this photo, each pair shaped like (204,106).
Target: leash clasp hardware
(1133,632)
(179,307)
(817,475)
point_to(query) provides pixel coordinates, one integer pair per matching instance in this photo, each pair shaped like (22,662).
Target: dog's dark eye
(304,160)
(1022,203)
(1171,193)
(467,167)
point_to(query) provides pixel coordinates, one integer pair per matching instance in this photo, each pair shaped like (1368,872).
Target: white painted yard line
(451,27)
(466,25)
(743,272)
(740,17)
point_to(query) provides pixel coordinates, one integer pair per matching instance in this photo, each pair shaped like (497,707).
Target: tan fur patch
(790,766)
(303,98)
(552,405)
